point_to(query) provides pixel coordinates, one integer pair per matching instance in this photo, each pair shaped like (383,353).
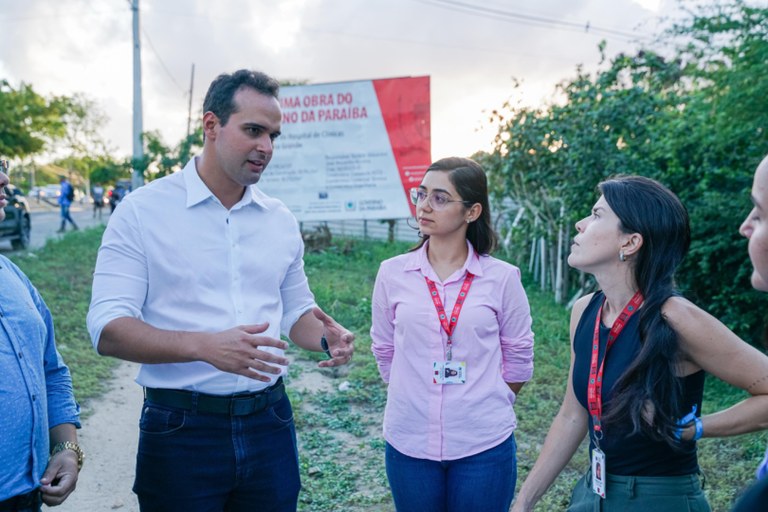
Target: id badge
(449,372)
(598,472)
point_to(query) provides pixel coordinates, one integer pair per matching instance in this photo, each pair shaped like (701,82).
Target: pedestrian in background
(97,195)
(116,195)
(39,455)
(451,333)
(66,197)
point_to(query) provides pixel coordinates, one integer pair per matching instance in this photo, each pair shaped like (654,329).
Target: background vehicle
(17,225)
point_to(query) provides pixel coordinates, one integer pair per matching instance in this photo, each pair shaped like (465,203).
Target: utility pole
(137,178)
(189,110)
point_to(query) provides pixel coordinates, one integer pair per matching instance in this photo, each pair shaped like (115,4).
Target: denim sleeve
(62,406)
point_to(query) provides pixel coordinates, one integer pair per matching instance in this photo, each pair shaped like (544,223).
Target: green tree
(697,121)
(160,159)
(82,150)
(29,121)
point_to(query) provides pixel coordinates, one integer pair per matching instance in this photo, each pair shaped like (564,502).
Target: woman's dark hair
(470,182)
(220,96)
(646,207)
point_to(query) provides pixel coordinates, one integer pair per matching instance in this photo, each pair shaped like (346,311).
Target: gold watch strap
(69,445)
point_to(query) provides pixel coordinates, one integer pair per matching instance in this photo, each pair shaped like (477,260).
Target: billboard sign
(351,150)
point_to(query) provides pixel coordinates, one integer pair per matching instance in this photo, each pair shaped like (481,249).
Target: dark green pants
(641,494)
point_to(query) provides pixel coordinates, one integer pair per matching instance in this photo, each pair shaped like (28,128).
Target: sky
(473,50)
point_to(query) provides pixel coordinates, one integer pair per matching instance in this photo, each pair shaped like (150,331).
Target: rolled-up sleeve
(120,280)
(515,332)
(295,294)
(382,326)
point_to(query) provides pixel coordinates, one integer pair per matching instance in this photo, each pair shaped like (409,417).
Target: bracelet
(69,445)
(686,421)
(699,428)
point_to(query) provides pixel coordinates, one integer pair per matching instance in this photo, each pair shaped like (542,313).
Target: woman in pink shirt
(452,337)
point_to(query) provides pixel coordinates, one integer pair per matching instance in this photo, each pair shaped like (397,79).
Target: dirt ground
(110,437)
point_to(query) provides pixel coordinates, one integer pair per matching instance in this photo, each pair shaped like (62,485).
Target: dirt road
(46,219)
(109,438)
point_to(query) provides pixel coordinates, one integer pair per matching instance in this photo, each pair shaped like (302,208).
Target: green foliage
(696,121)
(97,168)
(29,121)
(105,169)
(341,447)
(160,160)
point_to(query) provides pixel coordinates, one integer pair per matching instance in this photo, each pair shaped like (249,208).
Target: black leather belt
(21,502)
(233,405)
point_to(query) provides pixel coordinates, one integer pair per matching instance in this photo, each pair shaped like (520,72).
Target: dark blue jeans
(65,216)
(485,481)
(197,462)
(29,502)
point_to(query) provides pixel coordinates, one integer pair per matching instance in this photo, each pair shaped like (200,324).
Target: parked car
(17,225)
(52,192)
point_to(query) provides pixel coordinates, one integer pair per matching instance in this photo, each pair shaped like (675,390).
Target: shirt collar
(418,261)
(198,191)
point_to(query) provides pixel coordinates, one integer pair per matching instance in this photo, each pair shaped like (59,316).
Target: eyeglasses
(437,200)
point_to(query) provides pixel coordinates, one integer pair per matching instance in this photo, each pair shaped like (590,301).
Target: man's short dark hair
(220,96)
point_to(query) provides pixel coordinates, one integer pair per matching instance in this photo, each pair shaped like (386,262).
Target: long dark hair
(646,207)
(470,182)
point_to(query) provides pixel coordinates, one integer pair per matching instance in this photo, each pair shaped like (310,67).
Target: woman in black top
(641,404)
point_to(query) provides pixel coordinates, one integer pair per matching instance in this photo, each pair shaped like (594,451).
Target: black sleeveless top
(627,454)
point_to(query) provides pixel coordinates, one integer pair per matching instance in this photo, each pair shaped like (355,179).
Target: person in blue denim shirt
(66,197)
(39,455)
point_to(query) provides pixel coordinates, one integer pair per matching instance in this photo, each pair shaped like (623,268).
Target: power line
(157,54)
(11,18)
(433,44)
(159,58)
(528,19)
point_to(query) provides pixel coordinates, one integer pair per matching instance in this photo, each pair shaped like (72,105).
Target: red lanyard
(595,383)
(449,325)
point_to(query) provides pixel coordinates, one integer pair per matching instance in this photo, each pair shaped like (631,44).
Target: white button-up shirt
(174,257)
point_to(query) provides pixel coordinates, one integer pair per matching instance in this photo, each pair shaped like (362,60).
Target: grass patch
(62,271)
(341,448)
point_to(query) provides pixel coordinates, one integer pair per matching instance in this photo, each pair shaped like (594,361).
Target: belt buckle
(247,405)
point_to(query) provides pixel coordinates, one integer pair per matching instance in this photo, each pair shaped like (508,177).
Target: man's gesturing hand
(243,351)
(341,342)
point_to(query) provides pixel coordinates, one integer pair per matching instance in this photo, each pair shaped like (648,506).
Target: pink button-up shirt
(493,336)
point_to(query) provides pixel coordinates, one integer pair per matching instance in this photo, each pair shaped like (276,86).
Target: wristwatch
(69,445)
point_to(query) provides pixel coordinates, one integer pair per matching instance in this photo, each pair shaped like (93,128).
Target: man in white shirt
(197,276)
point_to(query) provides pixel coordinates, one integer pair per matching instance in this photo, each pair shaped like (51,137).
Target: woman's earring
(621,256)
(469,220)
